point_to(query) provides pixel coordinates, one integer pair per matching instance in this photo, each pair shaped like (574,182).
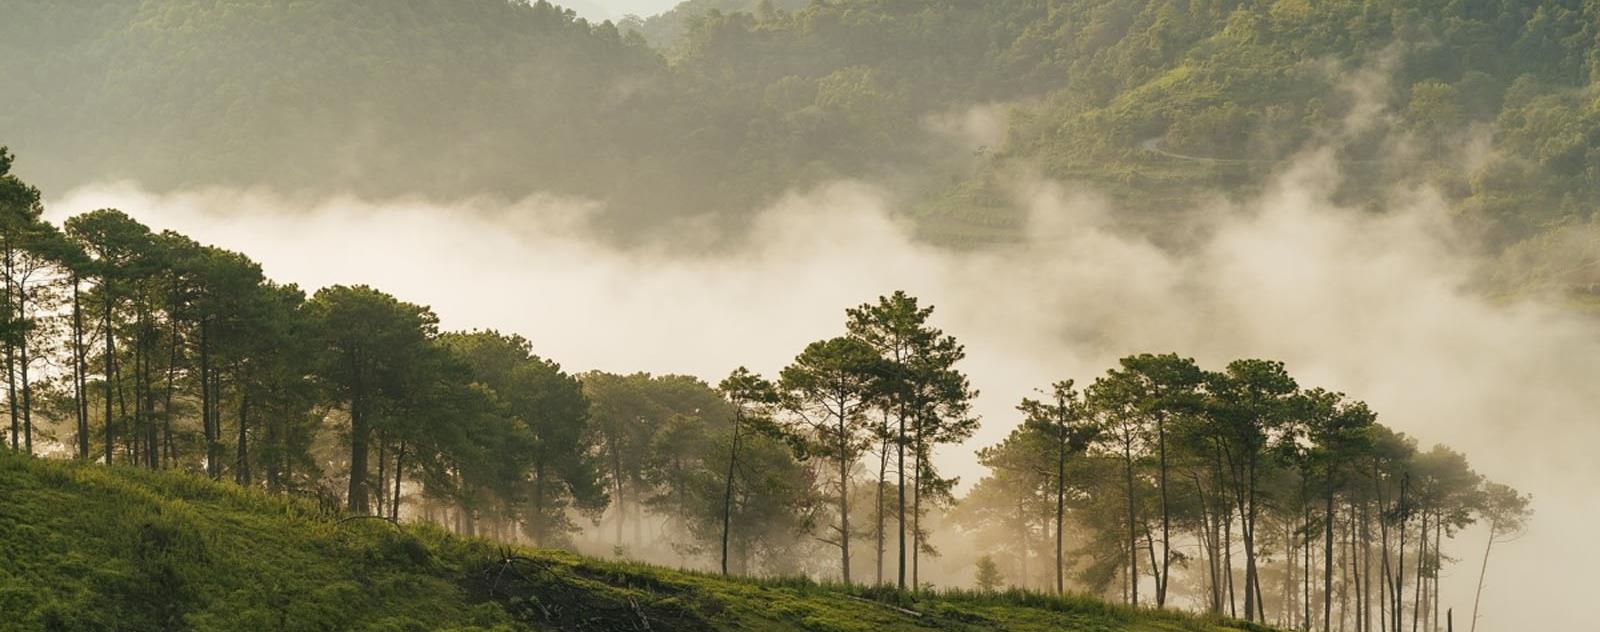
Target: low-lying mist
(1379,306)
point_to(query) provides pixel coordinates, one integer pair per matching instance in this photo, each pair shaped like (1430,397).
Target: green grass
(86,547)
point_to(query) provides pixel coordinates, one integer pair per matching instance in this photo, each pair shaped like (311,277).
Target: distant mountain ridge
(458,98)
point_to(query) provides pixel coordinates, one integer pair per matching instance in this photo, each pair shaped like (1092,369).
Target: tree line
(129,346)
(1270,500)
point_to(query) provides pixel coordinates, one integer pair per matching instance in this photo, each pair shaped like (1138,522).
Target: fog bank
(1377,306)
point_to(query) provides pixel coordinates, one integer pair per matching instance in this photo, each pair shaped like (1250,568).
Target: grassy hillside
(95,548)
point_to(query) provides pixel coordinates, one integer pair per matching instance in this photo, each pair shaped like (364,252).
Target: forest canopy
(752,99)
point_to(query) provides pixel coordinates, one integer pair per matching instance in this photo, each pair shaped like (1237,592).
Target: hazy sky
(1372,305)
(604,9)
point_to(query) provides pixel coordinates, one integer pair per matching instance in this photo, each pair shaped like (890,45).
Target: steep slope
(85,547)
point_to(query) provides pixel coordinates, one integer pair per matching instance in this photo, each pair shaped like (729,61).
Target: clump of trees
(129,346)
(124,345)
(1270,500)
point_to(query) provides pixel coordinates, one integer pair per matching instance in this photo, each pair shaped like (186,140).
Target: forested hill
(375,97)
(95,548)
(472,96)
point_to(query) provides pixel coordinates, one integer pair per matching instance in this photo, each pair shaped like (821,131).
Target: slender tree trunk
(1483,571)
(616,469)
(1386,586)
(1252,585)
(277,447)
(24,364)
(1133,532)
(1166,518)
(12,319)
(538,503)
(1306,570)
(142,399)
(242,474)
(359,431)
(1022,537)
(1347,543)
(1227,560)
(283,460)
(1123,568)
(1061,501)
(1244,477)
(1150,545)
(1253,573)
(1208,578)
(1287,616)
(138,435)
(1356,574)
(900,492)
(460,520)
(131,430)
(1422,560)
(111,364)
(11,395)
(1210,529)
(882,517)
(1398,594)
(1261,602)
(206,421)
(399,472)
(918,450)
(141,421)
(1366,562)
(216,420)
(1224,519)
(381,498)
(727,497)
(166,408)
(1439,562)
(158,446)
(80,404)
(27,388)
(1327,560)
(844,497)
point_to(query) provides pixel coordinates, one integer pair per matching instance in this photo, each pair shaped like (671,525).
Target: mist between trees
(1264,498)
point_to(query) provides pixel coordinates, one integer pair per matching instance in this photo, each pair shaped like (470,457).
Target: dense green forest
(667,30)
(149,350)
(1160,102)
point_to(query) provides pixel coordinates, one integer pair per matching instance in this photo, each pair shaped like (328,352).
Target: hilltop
(94,548)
